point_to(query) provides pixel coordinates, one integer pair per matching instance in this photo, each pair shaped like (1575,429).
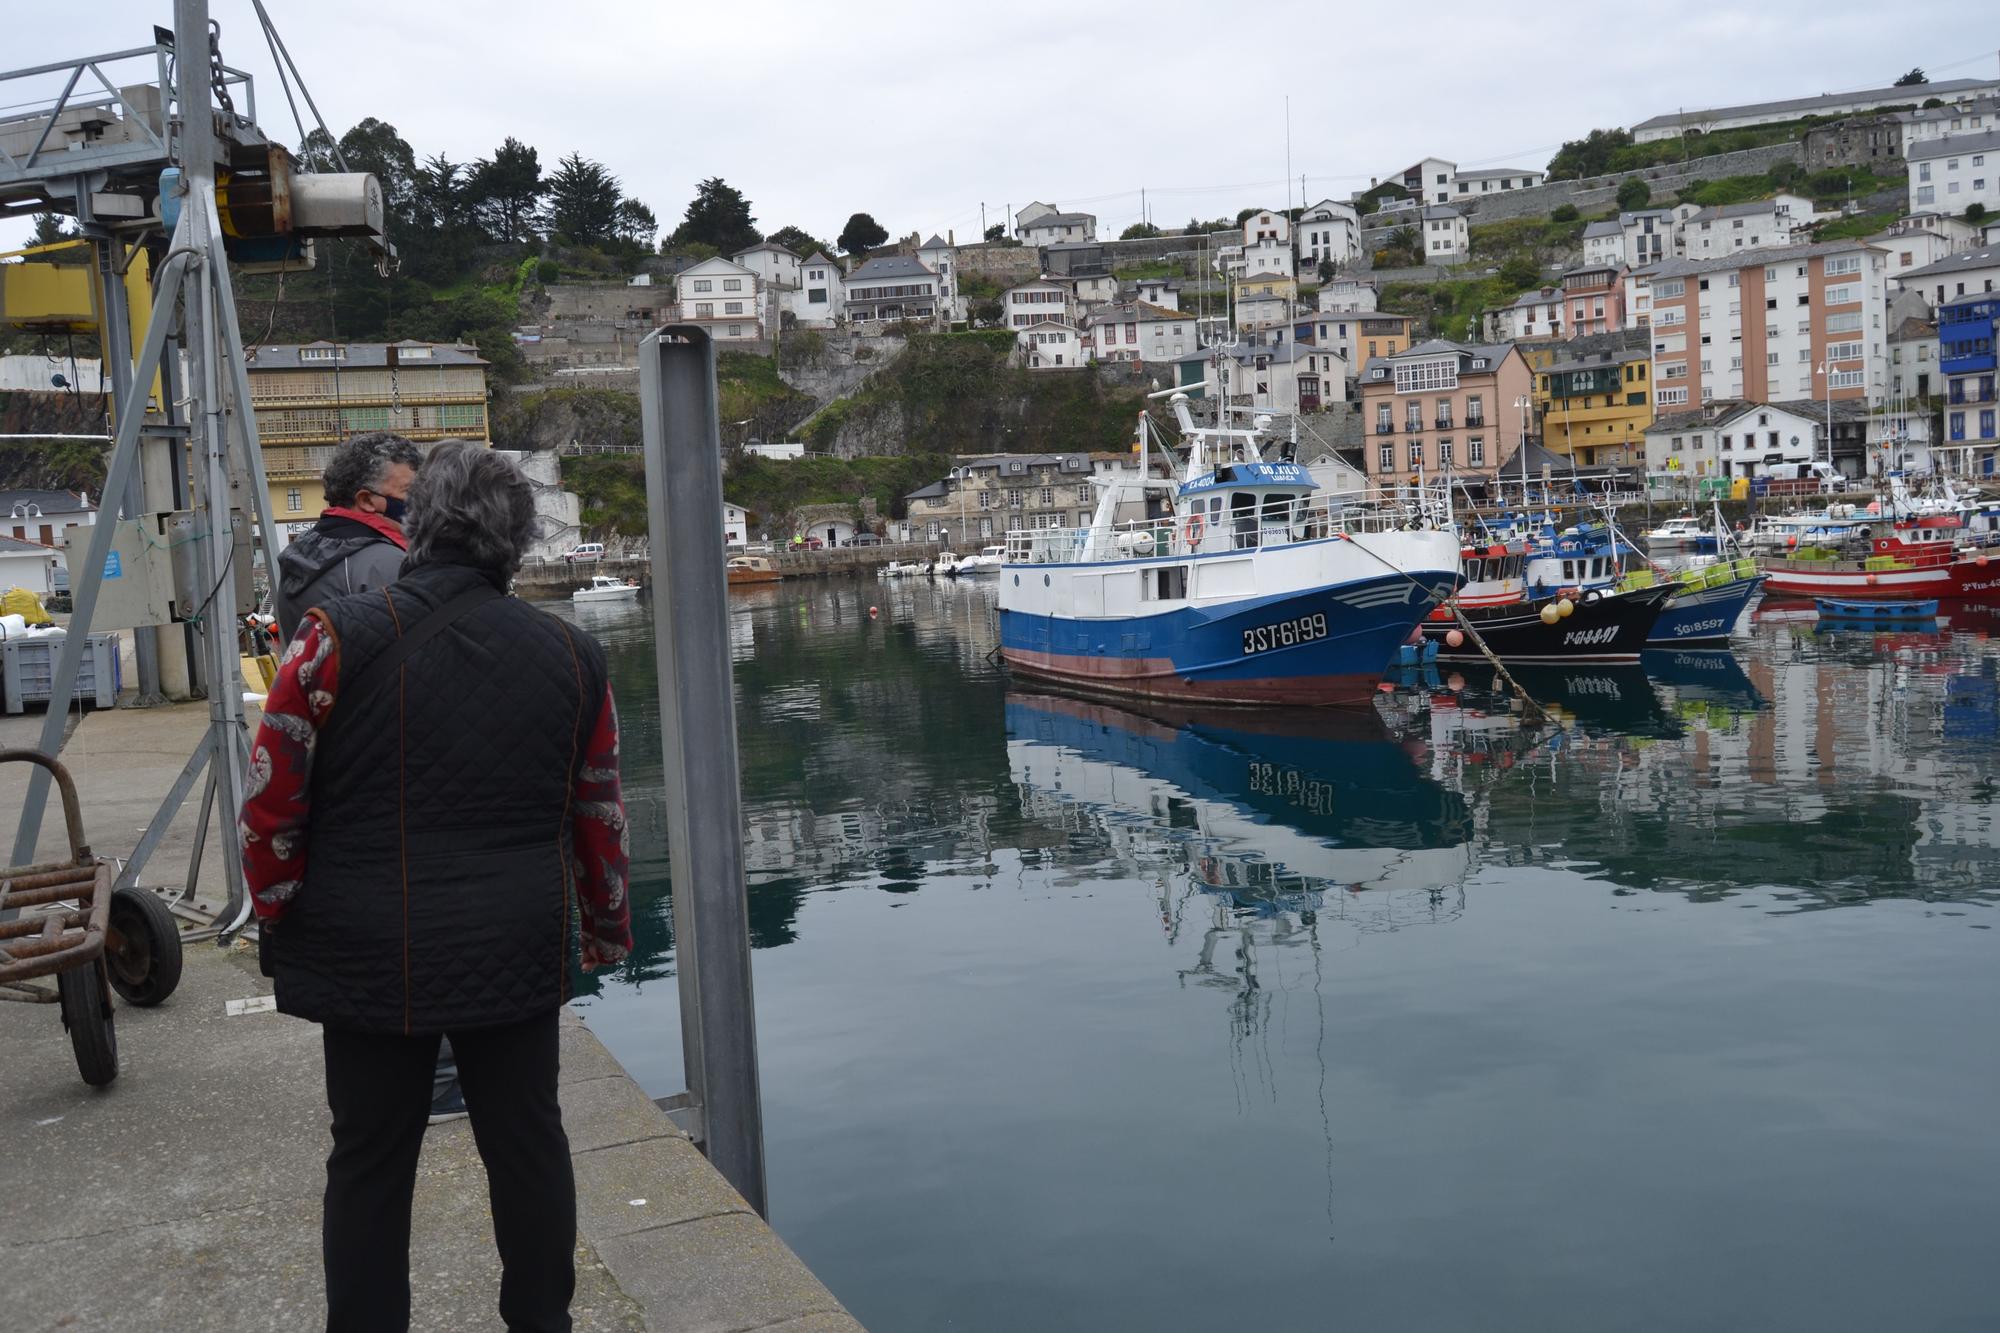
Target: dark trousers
(379,1089)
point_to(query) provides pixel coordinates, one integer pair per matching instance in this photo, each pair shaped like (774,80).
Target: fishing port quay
(671,736)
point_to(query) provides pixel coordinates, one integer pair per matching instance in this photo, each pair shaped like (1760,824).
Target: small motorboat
(1834,608)
(944,566)
(606,588)
(902,569)
(1685,531)
(986,564)
(744,569)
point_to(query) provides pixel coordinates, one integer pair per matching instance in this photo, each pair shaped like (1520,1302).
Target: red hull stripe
(1155,678)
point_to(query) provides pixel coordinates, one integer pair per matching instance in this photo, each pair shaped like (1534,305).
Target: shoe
(448,1105)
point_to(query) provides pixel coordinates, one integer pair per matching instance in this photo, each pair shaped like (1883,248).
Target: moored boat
(1598,626)
(747,569)
(1833,608)
(1684,532)
(986,564)
(1255,589)
(1707,601)
(606,588)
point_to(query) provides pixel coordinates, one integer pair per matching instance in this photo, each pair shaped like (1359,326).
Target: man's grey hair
(470,504)
(363,463)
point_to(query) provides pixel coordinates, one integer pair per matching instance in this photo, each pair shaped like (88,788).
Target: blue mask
(392,508)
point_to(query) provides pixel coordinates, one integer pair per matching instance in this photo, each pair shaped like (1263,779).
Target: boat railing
(1312,518)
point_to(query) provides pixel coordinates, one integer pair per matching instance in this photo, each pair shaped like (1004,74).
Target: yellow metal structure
(45,297)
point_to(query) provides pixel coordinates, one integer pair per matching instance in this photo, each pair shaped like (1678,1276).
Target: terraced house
(309,398)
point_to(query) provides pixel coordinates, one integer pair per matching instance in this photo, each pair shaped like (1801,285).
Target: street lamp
(1825,368)
(1521,447)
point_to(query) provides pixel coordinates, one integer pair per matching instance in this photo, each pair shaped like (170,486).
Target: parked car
(863,539)
(587,553)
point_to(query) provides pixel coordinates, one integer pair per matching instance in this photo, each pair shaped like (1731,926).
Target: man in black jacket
(358,542)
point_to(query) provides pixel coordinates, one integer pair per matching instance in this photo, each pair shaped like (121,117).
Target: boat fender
(1593,595)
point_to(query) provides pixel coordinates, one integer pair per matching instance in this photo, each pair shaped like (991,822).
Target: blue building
(1967,332)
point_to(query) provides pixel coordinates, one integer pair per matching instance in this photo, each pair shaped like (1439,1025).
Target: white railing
(1309,518)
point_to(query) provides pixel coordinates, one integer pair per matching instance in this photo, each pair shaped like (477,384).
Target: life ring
(1193,530)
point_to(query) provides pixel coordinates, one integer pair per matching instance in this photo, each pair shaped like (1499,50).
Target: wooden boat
(746,569)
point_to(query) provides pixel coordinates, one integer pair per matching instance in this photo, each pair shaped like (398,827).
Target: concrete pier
(185,1195)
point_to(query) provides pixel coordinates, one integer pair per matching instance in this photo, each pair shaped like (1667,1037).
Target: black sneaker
(448,1105)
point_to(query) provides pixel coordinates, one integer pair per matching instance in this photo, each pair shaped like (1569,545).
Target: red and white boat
(1917,558)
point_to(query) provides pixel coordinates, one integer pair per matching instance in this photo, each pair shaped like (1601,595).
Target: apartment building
(310,397)
(1594,298)
(1967,333)
(1329,233)
(1594,398)
(1443,407)
(1770,325)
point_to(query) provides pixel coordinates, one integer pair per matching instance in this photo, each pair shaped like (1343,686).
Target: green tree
(50,228)
(986,314)
(1592,155)
(1914,77)
(635,225)
(798,240)
(720,216)
(1975,212)
(583,201)
(1138,231)
(862,232)
(1563,213)
(1520,273)
(1405,244)
(1634,193)
(506,190)
(1327,270)
(997,232)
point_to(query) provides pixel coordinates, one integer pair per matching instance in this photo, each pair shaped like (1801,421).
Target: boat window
(1277,506)
(1167,583)
(1243,517)
(1475,571)
(1569,569)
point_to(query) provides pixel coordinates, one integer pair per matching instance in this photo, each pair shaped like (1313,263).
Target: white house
(1267,255)
(1329,233)
(1032,303)
(1709,119)
(818,301)
(29,565)
(735,525)
(1266,225)
(774,265)
(1093,289)
(1263,310)
(1969,273)
(1348,296)
(1053,227)
(1445,238)
(1954,173)
(1052,345)
(1711,233)
(721,297)
(1436,181)
(1911,249)
(1651,235)
(45,517)
(1603,243)
(1428,179)
(892,287)
(1136,331)
(1735,439)
(1925,124)
(1290,377)
(940,256)
(1535,314)
(1159,292)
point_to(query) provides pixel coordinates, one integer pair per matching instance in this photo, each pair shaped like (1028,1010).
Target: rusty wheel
(142,948)
(86,1012)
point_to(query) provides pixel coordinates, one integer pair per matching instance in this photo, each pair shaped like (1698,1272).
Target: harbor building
(310,397)
(1443,407)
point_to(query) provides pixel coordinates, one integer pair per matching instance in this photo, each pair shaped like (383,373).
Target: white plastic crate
(27,670)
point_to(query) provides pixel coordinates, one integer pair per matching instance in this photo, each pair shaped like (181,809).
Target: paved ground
(185,1195)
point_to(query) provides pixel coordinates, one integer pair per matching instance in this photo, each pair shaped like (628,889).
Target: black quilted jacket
(439,890)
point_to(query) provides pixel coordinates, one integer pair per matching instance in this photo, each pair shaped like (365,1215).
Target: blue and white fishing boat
(1257,589)
(1708,601)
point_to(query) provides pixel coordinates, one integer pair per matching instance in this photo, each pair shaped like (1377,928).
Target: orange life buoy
(1193,531)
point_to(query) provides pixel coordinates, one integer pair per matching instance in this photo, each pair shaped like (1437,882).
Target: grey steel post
(683,452)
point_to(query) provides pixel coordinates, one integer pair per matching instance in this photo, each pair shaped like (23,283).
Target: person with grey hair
(433,829)
(357,544)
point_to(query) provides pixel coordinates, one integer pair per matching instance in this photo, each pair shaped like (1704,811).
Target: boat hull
(1704,615)
(1612,628)
(610,595)
(1219,655)
(1973,579)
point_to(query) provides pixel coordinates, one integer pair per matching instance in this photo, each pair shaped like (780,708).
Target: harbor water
(1670,1013)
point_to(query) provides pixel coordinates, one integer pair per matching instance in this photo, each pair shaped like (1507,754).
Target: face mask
(392,508)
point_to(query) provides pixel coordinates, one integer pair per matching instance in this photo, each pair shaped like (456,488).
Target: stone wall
(605,301)
(1599,193)
(1007,265)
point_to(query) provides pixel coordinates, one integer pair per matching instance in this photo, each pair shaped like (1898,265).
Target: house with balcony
(1966,339)
(721,296)
(1594,398)
(891,288)
(310,397)
(1444,407)
(1594,298)
(1287,377)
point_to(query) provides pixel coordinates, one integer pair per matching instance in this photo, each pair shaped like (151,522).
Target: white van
(587,553)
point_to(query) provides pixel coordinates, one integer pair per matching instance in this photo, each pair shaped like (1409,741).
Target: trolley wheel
(142,951)
(86,1012)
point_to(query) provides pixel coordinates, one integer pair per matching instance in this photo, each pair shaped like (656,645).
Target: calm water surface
(1677,1014)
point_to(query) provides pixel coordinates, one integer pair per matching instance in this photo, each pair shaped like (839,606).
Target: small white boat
(1685,530)
(944,566)
(605,588)
(902,569)
(986,564)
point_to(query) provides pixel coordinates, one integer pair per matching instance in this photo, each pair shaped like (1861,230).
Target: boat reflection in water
(1604,697)
(1272,812)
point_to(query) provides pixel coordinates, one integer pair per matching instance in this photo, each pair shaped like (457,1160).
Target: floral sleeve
(603,845)
(278,792)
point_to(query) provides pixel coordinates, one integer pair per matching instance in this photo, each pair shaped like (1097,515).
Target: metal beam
(683,443)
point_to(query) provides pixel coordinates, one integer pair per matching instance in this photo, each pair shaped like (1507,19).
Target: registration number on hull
(1284,634)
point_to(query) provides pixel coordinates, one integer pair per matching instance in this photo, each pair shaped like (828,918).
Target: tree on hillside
(862,232)
(372,146)
(506,190)
(1520,273)
(997,232)
(1138,231)
(1407,246)
(583,201)
(798,240)
(1975,213)
(1634,193)
(1914,77)
(1327,270)
(720,216)
(635,224)
(1592,155)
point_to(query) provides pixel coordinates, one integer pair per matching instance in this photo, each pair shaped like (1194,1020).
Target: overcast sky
(921,113)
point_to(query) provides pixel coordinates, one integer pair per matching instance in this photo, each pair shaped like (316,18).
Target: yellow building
(309,398)
(1594,396)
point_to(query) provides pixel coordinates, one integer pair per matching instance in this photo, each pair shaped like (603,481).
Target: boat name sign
(1284,634)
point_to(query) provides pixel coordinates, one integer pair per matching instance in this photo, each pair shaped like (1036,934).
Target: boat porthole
(1045,580)
(1017,580)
